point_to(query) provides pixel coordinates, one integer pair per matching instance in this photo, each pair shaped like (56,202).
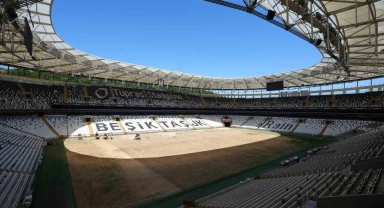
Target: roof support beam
(341,1)
(259,82)
(366,53)
(26,60)
(245,82)
(323,78)
(366,45)
(367,64)
(6,52)
(290,82)
(137,79)
(365,59)
(188,81)
(81,70)
(304,81)
(314,32)
(210,84)
(198,86)
(176,79)
(20,58)
(53,66)
(365,36)
(375,72)
(352,7)
(361,23)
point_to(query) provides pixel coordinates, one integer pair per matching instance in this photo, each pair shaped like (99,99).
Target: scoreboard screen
(271,86)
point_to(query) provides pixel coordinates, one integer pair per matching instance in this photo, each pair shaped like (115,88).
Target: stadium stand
(44,95)
(13,97)
(29,124)
(72,126)
(59,123)
(196,122)
(76,126)
(356,100)
(212,120)
(318,101)
(173,123)
(76,94)
(244,103)
(137,124)
(279,124)
(341,126)
(310,126)
(20,156)
(39,96)
(239,120)
(59,91)
(327,173)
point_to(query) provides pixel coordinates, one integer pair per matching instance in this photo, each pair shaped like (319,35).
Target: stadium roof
(360,25)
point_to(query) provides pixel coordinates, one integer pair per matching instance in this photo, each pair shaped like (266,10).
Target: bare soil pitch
(119,172)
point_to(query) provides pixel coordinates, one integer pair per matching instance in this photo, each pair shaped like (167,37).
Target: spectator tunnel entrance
(227,121)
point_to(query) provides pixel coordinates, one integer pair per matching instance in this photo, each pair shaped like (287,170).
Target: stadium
(78,130)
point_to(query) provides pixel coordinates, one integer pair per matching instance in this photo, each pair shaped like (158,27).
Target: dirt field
(119,172)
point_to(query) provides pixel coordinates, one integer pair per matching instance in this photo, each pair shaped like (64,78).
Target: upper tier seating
(196,101)
(75,94)
(287,102)
(318,101)
(38,96)
(356,100)
(44,96)
(244,103)
(13,97)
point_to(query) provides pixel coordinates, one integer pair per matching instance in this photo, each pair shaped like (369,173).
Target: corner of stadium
(78,130)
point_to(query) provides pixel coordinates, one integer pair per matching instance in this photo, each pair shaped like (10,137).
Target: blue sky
(191,36)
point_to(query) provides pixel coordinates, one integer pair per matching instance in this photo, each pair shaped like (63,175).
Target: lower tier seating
(20,156)
(327,173)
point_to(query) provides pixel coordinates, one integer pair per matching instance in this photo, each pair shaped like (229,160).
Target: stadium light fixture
(251,5)
(271,15)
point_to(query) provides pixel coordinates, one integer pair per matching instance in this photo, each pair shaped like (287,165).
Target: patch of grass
(53,186)
(303,136)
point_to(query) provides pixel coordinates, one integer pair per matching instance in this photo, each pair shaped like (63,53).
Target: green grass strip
(53,186)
